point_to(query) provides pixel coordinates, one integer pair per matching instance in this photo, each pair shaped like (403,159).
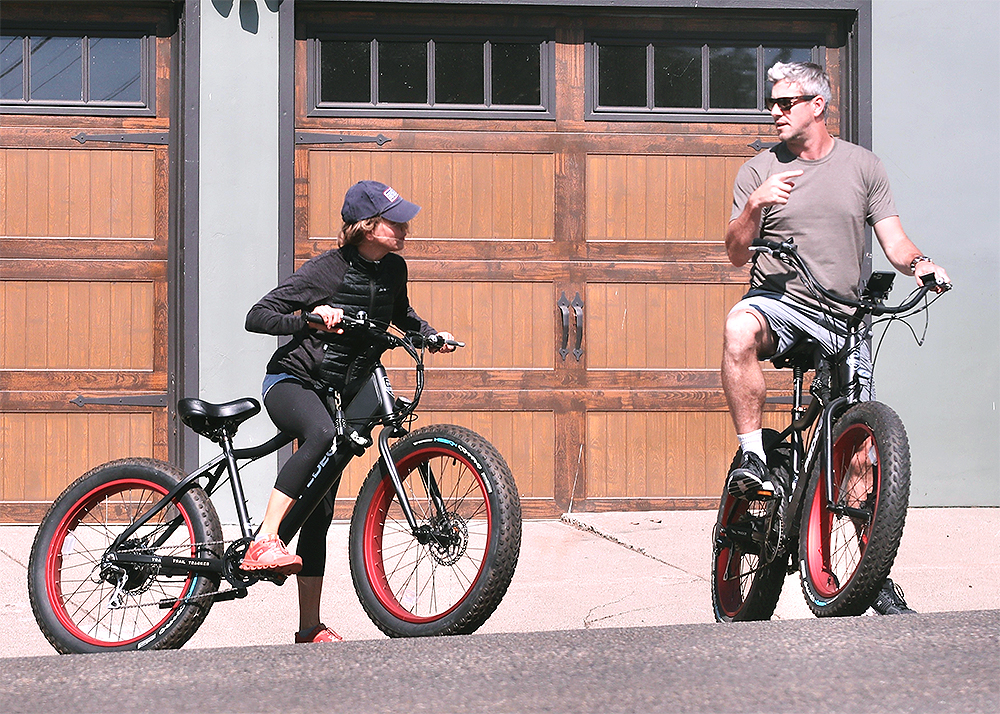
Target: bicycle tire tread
(504,559)
(189,623)
(887,531)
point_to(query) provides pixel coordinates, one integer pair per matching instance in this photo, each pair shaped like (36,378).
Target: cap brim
(401,211)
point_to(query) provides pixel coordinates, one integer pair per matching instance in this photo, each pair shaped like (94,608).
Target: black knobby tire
(438,588)
(749,559)
(843,560)
(71,591)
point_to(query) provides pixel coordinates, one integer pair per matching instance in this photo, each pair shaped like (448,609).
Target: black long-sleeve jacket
(339,278)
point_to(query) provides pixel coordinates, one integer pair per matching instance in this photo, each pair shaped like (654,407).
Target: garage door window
(683,81)
(85,74)
(405,76)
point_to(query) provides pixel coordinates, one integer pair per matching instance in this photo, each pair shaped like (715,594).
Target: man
(821,192)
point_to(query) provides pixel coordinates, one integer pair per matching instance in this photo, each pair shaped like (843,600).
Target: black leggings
(298,410)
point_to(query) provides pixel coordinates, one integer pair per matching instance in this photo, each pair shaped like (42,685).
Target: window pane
(732,77)
(517,73)
(55,66)
(621,76)
(677,76)
(402,72)
(11,67)
(785,54)
(458,73)
(115,69)
(345,72)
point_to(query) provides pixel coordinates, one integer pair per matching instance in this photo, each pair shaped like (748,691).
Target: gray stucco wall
(936,76)
(238,238)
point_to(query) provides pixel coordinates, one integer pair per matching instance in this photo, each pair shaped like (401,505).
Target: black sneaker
(750,479)
(890,600)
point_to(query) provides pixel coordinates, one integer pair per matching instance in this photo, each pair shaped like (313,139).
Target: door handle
(563,304)
(564,308)
(578,312)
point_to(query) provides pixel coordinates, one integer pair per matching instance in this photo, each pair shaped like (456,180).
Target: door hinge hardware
(125,138)
(134,400)
(759,145)
(306,137)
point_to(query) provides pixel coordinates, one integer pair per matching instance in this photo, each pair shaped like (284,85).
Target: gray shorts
(790,320)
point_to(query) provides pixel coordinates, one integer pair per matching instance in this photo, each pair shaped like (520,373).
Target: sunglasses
(786,103)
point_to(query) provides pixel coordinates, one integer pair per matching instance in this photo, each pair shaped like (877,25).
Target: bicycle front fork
(828,413)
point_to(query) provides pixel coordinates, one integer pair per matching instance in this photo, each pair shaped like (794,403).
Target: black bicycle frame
(373,404)
(843,365)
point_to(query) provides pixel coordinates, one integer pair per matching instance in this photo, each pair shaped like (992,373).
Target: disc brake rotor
(452,540)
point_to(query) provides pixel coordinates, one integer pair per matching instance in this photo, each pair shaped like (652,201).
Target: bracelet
(919,259)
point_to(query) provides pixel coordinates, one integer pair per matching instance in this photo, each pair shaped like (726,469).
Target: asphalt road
(941,662)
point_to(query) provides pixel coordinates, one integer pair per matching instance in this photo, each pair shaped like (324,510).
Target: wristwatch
(918,259)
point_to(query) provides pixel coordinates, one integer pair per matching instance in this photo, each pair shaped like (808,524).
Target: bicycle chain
(185,600)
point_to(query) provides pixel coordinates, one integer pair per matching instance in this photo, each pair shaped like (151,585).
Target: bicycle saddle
(207,418)
(801,354)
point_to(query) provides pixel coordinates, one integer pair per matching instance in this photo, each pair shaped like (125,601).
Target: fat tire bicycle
(838,511)
(131,556)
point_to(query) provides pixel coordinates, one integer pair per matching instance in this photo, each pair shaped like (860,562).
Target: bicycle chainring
(231,564)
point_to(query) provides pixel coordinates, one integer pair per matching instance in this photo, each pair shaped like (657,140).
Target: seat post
(226,440)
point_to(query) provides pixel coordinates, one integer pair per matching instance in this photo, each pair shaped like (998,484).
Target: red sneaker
(270,554)
(320,633)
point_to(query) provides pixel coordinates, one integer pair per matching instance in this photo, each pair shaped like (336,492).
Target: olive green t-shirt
(826,215)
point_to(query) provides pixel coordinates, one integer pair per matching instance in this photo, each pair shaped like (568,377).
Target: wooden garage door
(83,215)
(578,252)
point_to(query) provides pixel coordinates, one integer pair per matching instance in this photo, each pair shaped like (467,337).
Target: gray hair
(812,78)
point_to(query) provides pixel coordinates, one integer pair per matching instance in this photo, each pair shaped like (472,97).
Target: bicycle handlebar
(433,342)
(875,307)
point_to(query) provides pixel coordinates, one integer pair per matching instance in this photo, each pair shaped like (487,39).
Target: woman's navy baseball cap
(367,199)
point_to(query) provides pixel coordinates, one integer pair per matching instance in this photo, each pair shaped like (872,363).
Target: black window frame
(705,114)
(145,107)
(372,109)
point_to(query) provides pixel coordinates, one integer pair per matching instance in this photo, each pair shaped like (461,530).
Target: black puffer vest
(367,287)
(343,279)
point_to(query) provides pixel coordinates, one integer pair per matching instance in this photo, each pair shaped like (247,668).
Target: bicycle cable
(889,319)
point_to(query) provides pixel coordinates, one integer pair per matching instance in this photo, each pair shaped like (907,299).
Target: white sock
(753,443)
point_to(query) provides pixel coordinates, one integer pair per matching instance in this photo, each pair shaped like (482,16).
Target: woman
(363,274)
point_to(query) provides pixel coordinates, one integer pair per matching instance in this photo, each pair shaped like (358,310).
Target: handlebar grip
(345,321)
(765,244)
(436,342)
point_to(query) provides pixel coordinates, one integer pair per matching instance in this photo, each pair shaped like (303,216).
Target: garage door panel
(505,325)
(77,325)
(85,193)
(674,198)
(659,454)
(465,195)
(657,326)
(73,444)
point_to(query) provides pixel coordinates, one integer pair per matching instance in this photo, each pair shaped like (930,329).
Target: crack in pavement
(590,619)
(587,528)
(4,552)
